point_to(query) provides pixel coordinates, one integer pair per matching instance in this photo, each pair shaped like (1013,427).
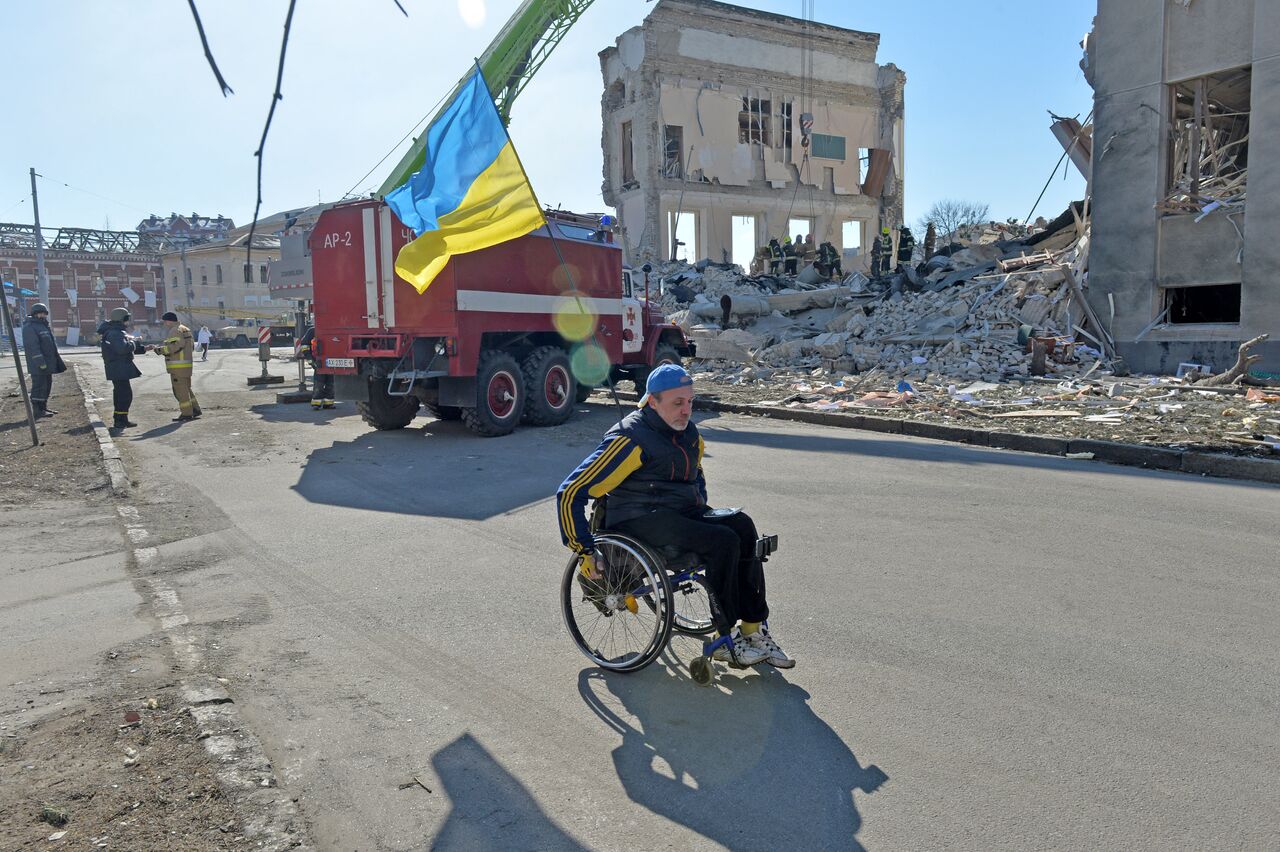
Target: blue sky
(114,98)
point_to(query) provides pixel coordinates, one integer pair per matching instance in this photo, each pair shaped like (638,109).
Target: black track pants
(121,398)
(727,545)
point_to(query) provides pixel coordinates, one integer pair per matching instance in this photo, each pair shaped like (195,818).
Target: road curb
(1191,462)
(111,460)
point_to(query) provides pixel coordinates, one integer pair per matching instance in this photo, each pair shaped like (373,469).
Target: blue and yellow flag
(471,192)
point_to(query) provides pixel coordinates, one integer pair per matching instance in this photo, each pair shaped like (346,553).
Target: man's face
(170,324)
(675,407)
(41,316)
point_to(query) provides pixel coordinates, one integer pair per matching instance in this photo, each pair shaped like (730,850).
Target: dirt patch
(67,462)
(121,773)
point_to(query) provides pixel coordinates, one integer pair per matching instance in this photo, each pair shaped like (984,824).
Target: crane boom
(509,63)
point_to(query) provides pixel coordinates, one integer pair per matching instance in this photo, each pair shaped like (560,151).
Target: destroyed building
(1186,123)
(706,111)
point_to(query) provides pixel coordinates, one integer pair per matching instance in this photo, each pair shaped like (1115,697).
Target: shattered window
(754,122)
(673,152)
(784,112)
(1213,303)
(1208,142)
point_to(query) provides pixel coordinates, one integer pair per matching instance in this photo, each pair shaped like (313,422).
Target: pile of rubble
(968,313)
(990,331)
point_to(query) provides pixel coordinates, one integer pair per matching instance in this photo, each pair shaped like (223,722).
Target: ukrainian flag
(471,192)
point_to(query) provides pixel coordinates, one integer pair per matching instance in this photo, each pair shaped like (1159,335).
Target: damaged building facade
(1186,126)
(706,107)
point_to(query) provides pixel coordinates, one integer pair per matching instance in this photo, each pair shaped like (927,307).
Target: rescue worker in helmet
(118,349)
(43,360)
(178,350)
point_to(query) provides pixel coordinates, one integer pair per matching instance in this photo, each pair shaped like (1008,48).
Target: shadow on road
(745,763)
(491,810)
(301,412)
(450,472)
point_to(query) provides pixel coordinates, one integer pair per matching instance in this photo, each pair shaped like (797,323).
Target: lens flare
(573,319)
(473,13)
(590,364)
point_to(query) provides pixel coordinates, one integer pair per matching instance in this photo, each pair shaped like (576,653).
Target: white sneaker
(744,654)
(762,641)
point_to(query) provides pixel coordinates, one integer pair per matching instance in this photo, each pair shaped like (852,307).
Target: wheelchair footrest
(766,545)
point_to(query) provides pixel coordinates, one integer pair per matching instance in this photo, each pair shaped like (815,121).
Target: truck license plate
(339,362)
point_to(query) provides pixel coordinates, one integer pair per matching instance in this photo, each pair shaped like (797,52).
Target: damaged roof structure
(1186,126)
(715,114)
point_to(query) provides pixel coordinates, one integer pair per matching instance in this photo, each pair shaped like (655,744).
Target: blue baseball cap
(664,378)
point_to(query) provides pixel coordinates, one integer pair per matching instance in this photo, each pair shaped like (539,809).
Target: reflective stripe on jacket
(178,349)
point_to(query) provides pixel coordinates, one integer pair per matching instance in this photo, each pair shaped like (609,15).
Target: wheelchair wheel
(622,620)
(691,606)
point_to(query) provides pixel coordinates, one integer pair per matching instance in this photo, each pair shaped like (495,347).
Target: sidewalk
(94,739)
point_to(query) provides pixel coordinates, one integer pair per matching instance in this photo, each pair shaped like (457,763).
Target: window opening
(743,244)
(851,237)
(754,122)
(217,270)
(628,161)
(248,273)
(1208,142)
(673,152)
(784,112)
(683,228)
(800,228)
(1213,303)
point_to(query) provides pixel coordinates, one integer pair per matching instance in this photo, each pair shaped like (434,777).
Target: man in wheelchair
(650,466)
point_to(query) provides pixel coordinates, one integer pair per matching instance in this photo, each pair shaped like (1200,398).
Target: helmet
(38,308)
(885,230)
(119,315)
(786,240)
(169,316)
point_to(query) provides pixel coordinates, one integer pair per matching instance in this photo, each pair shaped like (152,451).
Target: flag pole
(555,244)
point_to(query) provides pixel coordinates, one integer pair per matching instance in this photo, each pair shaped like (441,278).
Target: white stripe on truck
(370,269)
(388,269)
(494,302)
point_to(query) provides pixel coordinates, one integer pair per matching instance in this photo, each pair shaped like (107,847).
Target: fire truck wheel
(584,392)
(664,353)
(384,411)
(548,379)
(500,395)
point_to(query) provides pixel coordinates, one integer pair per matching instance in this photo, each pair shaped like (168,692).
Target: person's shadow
(745,763)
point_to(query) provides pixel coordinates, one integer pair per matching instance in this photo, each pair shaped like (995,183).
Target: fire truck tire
(386,412)
(442,412)
(500,396)
(664,353)
(549,383)
(584,392)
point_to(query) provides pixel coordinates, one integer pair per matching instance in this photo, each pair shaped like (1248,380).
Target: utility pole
(42,280)
(17,362)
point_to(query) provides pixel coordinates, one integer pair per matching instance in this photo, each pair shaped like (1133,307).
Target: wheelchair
(623,619)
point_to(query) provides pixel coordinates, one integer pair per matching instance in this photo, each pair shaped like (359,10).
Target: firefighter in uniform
(322,395)
(906,246)
(118,349)
(880,255)
(775,256)
(178,350)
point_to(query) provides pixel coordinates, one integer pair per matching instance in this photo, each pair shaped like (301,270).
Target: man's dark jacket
(41,348)
(118,349)
(670,474)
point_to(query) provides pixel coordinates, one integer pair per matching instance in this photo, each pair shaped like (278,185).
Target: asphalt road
(995,650)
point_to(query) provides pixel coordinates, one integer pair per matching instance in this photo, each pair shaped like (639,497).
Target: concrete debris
(967,314)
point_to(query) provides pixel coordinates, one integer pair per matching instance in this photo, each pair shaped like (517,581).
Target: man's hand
(588,566)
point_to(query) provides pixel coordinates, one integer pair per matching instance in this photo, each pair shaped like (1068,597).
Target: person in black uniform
(118,349)
(43,360)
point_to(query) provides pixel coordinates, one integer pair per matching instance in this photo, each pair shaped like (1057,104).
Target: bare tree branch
(401,8)
(275,98)
(950,216)
(208,54)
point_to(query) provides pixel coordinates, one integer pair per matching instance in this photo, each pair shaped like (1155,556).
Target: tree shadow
(745,763)
(491,809)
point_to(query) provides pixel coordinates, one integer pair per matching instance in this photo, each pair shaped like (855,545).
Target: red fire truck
(505,334)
